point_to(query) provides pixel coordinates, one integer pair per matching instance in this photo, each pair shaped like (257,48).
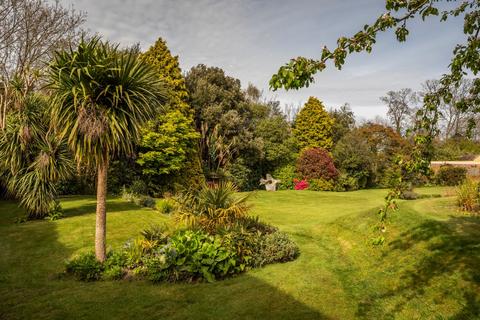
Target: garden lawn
(429,268)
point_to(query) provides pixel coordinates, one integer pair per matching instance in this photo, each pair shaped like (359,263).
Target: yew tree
(168,149)
(313,127)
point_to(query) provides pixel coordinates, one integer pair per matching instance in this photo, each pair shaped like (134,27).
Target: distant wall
(473,167)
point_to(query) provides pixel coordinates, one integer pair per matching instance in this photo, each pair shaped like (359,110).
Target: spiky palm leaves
(32,158)
(102,97)
(216,151)
(212,207)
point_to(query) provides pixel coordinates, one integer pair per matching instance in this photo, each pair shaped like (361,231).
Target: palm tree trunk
(101,215)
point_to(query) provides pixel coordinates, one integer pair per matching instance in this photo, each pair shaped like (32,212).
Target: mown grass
(429,269)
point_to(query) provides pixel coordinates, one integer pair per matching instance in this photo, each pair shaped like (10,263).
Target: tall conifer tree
(313,126)
(169,145)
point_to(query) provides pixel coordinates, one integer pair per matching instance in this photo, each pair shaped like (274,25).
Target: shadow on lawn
(244,297)
(452,251)
(32,257)
(89,207)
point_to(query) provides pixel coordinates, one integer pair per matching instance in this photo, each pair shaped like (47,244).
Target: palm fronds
(32,158)
(102,96)
(212,207)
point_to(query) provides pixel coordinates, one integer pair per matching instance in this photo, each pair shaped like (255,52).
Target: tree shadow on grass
(244,297)
(89,205)
(452,252)
(82,205)
(32,257)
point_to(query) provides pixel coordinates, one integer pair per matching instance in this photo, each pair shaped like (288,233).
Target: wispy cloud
(250,39)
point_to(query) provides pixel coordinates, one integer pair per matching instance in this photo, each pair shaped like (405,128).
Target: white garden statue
(270,183)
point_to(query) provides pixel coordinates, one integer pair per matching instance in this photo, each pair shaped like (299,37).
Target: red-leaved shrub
(316,163)
(300,184)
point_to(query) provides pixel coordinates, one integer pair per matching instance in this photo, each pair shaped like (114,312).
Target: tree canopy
(169,141)
(101,98)
(313,126)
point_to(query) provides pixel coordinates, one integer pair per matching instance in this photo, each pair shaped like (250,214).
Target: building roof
(473,163)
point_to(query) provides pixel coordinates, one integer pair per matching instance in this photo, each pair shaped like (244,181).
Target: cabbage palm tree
(32,157)
(101,98)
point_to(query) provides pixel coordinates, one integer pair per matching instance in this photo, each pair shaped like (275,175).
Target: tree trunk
(101,216)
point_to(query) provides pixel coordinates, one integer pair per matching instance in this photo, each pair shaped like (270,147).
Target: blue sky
(251,39)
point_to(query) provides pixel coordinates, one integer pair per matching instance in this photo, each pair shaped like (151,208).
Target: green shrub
(145,201)
(254,225)
(409,195)
(285,174)
(313,126)
(134,252)
(468,196)
(85,267)
(192,255)
(346,182)
(115,258)
(451,176)
(114,266)
(156,233)
(244,243)
(55,212)
(157,269)
(127,195)
(114,273)
(355,158)
(166,206)
(275,247)
(139,187)
(138,199)
(321,185)
(240,175)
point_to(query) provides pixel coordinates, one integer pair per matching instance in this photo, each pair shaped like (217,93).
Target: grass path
(430,268)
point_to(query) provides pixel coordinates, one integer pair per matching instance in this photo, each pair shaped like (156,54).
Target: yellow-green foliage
(169,142)
(169,71)
(313,126)
(467,195)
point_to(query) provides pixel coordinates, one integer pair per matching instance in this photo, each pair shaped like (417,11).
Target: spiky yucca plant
(212,207)
(101,98)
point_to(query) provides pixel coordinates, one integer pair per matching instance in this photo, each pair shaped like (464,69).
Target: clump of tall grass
(468,196)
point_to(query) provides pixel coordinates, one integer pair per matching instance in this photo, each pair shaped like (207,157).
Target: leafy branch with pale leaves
(299,73)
